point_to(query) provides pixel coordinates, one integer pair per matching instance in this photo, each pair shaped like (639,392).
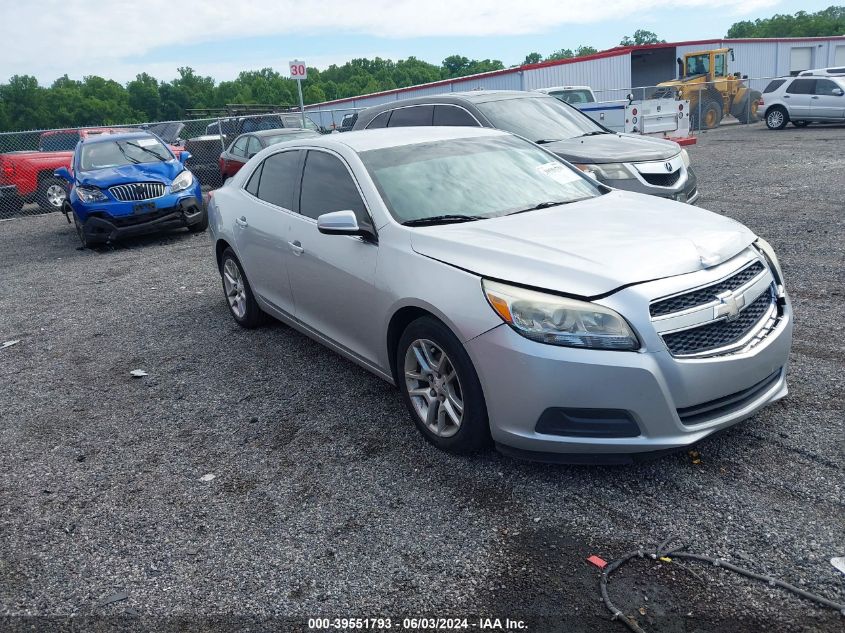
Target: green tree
(830,21)
(641,36)
(144,96)
(532,58)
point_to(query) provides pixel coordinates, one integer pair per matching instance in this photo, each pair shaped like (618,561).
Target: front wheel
(440,387)
(776,119)
(200,226)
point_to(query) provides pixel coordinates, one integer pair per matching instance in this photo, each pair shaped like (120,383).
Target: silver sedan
(508,296)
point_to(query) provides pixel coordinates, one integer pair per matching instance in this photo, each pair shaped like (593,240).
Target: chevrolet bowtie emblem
(729,305)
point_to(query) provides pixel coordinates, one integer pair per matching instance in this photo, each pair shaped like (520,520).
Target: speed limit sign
(298,69)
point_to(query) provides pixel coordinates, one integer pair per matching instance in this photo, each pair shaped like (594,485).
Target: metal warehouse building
(616,72)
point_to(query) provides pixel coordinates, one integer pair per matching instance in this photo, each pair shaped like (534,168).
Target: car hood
(143,172)
(588,248)
(613,148)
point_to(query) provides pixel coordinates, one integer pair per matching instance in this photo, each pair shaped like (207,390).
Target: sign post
(299,72)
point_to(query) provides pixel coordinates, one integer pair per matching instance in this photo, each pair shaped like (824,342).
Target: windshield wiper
(449,218)
(144,149)
(594,133)
(127,156)
(544,205)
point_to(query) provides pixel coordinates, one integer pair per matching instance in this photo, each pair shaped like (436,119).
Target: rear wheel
(242,305)
(776,118)
(51,194)
(441,388)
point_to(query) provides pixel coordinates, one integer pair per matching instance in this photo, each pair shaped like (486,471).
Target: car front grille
(723,333)
(137,191)
(726,405)
(662,180)
(707,294)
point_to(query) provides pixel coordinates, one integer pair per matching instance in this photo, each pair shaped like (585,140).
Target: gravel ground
(327,502)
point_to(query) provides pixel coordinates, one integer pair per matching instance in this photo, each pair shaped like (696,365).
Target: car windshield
(538,118)
(476,177)
(123,152)
(296,121)
(573,96)
(281,138)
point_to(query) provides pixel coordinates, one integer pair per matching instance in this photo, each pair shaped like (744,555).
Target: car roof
(280,131)
(470,96)
(102,138)
(382,138)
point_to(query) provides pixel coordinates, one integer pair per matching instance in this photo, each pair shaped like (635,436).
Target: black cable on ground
(661,551)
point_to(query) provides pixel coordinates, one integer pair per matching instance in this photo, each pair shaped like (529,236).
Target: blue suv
(127,184)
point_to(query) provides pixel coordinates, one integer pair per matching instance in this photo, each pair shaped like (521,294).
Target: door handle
(814,97)
(241,222)
(296,247)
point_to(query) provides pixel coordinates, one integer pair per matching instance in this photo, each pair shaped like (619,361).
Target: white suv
(803,100)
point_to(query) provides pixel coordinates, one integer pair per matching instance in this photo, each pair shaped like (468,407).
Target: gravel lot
(327,502)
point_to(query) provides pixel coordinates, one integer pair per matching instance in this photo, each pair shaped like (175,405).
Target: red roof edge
(611,52)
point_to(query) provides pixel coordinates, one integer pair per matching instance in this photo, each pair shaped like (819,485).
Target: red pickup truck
(28,176)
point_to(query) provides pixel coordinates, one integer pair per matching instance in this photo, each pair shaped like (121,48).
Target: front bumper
(101,226)
(672,402)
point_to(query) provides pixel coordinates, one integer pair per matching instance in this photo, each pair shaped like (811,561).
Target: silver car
(507,295)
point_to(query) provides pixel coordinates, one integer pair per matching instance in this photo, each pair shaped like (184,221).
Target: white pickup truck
(666,118)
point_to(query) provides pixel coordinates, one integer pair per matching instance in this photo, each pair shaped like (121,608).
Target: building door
(839,56)
(800,58)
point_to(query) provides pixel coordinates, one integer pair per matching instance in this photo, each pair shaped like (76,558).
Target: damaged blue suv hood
(142,172)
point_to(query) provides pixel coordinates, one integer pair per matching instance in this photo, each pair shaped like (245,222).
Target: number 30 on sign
(298,69)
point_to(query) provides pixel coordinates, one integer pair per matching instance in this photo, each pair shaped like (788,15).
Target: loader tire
(744,112)
(711,115)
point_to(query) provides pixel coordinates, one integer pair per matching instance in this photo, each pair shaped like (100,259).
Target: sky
(112,38)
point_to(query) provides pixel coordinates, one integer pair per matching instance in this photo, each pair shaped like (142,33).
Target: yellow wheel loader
(703,79)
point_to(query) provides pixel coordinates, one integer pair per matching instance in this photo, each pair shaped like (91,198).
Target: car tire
(51,194)
(777,118)
(239,297)
(800,123)
(86,241)
(431,360)
(200,226)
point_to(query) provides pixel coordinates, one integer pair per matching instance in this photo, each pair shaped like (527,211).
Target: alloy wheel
(775,118)
(434,387)
(56,195)
(233,285)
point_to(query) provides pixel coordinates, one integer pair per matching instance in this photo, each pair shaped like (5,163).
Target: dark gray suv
(624,161)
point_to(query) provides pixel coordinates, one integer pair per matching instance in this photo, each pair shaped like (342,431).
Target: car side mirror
(340,223)
(63,173)
(838,92)
(184,157)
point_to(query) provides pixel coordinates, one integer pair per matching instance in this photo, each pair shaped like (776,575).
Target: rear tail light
(680,107)
(7,171)
(760,101)
(634,112)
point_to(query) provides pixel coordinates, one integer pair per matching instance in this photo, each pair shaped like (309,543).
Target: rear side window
(253,147)
(239,148)
(412,116)
(278,178)
(802,87)
(252,185)
(327,186)
(774,85)
(453,115)
(380,120)
(59,142)
(826,87)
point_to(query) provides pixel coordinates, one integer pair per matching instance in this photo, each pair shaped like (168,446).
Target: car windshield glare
(281,138)
(123,152)
(479,177)
(538,118)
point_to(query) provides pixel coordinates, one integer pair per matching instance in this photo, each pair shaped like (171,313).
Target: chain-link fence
(28,159)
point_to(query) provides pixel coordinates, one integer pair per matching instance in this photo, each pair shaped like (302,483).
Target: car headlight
(607,171)
(90,194)
(558,320)
(685,157)
(184,180)
(769,253)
